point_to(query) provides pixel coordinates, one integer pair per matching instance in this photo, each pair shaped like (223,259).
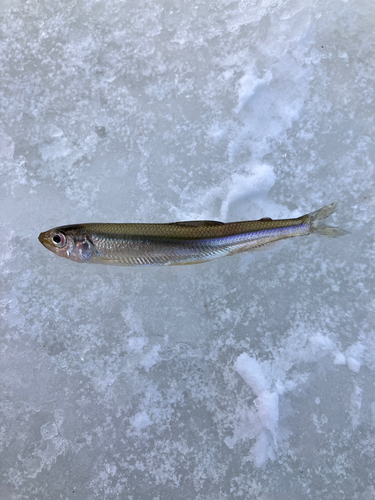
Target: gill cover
(83,250)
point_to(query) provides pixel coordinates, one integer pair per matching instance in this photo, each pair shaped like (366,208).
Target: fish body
(177,243)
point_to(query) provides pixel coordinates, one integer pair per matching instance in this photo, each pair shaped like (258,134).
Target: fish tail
(322,229)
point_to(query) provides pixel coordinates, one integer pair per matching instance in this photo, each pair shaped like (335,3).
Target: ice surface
(249,377)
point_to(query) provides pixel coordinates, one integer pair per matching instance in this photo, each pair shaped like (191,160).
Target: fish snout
(44,239)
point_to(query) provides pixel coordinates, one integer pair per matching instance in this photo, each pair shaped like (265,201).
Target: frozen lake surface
(250,377)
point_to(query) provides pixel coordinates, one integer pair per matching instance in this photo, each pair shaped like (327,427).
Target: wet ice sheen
(249,377)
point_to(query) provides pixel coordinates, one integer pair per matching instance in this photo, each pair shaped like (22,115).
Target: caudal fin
(319,227)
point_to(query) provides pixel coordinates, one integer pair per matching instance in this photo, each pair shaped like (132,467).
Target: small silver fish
(188,242)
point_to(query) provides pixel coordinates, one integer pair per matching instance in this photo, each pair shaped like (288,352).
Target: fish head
(68,242)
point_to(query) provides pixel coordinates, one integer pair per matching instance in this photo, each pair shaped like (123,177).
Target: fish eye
(59,240)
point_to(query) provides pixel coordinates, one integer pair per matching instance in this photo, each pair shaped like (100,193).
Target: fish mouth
(43,238)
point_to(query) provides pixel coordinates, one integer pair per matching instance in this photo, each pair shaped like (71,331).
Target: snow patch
(141,420)
(260,422)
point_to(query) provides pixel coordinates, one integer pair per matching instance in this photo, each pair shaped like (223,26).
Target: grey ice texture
(250,377)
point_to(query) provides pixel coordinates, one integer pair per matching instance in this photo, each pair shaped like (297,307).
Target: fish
(178,243)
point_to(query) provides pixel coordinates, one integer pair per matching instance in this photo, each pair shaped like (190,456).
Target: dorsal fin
(265,218)
(196,223)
